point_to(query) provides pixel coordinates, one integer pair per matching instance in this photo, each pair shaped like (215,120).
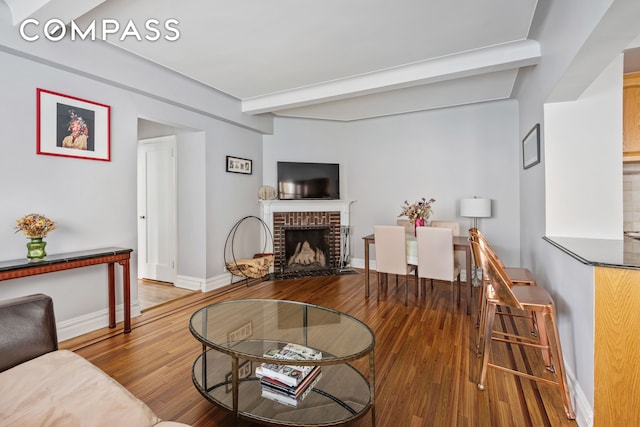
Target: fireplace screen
(307,248)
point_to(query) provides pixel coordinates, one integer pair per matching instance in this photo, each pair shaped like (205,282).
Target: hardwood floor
(426,366)
(152,293)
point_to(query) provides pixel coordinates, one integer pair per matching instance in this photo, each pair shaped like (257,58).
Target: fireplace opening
(307,249)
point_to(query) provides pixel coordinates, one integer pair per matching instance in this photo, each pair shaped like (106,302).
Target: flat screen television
(297,180)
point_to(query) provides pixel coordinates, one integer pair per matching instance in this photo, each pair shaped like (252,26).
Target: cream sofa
(43,386)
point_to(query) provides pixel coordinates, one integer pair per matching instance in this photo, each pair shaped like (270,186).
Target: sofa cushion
(64,389)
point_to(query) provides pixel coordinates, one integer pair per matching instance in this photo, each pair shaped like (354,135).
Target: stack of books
(289,384)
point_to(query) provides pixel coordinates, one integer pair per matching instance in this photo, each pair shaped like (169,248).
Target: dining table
(460,243)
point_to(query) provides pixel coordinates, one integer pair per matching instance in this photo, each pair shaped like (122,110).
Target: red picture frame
(68,126)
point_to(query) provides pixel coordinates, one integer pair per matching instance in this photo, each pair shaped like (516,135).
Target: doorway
(157,209)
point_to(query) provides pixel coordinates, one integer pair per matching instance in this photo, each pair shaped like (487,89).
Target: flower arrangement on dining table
(35,226)
(417,212)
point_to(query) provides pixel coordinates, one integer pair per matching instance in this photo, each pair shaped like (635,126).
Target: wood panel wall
(617,347)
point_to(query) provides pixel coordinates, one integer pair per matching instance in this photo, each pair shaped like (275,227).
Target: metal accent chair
(518,276)
(436,259)
(391,256)
(501,292)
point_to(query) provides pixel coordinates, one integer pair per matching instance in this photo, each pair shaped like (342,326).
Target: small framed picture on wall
(239,165)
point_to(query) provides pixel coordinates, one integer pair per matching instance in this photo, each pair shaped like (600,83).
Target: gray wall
(388,160)
(94,202)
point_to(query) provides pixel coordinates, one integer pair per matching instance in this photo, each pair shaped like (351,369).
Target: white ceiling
(329,59)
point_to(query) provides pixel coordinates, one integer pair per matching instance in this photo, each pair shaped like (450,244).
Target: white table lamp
(475,208)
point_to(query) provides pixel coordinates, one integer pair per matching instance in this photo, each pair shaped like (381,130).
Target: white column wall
(584,161)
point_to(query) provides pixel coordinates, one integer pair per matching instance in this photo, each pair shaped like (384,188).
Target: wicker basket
(254,268)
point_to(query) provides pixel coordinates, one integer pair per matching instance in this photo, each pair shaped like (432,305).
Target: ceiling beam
(480,61)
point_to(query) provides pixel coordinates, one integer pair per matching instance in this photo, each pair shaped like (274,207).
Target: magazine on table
(287,374)
(294,352)
(290,375)
(281,387)
(286,399)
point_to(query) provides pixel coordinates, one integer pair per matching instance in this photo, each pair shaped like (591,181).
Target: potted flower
(35,227)
(417,212)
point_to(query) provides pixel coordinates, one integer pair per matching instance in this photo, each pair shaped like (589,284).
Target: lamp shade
(475,208)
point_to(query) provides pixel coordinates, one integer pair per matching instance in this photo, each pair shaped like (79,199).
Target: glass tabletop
(248,327)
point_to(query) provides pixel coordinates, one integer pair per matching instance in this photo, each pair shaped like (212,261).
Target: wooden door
(157,206)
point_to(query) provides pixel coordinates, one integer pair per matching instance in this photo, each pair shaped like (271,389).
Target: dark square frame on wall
(239,165)
(68,126)
(531,148)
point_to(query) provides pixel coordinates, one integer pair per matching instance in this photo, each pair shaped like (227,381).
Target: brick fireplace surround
(281,214)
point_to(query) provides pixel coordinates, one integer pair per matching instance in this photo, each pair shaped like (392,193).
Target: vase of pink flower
(417,212)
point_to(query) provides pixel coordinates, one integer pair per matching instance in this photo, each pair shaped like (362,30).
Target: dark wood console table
(58,262)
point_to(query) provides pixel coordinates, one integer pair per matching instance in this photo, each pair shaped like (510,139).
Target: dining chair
(408,227)
(447,224)
(501,292)
(455,226)
(391,256)
(436,259)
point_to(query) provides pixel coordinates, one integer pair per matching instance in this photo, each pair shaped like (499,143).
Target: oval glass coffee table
(235,336)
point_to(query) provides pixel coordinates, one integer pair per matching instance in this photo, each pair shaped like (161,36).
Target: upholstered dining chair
(455,226)
(408,227)
(391,256)
(500,291)
(447,224)
(436,259)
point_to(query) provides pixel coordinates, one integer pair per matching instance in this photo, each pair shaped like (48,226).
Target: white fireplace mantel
(269,207)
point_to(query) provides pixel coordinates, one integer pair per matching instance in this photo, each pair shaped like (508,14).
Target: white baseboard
(216,282)
(191,283)
(582,407)
(205,285)
(77,326)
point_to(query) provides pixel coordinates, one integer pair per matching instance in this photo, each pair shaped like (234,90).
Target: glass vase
(35,248)
(419,222)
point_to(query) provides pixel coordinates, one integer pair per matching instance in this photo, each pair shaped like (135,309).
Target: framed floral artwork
(68,126)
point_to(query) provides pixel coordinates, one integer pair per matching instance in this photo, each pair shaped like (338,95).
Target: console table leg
(112,296)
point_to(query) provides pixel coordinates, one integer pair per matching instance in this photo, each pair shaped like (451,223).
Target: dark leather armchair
(27,329)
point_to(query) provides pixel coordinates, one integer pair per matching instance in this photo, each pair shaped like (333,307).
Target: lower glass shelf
(340,396)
